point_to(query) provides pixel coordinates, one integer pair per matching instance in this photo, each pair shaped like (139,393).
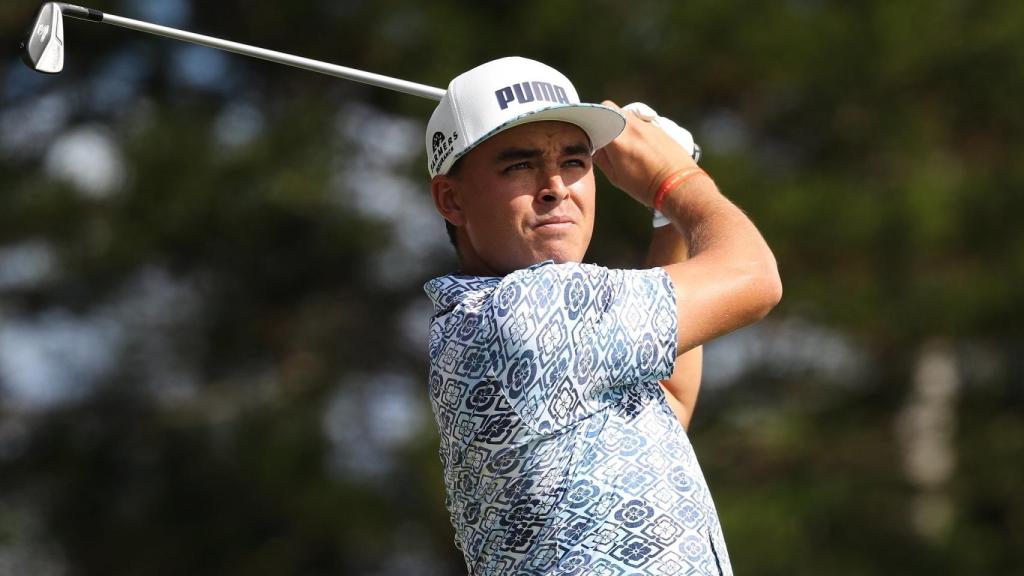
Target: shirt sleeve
(572,336)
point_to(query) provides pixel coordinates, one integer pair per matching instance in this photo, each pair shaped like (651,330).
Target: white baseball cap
(507,92)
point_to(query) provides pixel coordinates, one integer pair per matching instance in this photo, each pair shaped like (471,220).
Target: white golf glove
(677,132)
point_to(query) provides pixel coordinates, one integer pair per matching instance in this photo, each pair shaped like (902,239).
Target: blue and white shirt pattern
(560,453)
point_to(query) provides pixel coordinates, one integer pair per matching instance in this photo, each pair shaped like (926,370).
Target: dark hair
(449,228)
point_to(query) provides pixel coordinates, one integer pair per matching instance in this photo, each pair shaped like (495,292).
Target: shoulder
(576,287)
(544,285)
(575,276)
(548,284)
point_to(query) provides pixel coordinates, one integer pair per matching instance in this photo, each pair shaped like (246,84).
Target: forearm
(683,387)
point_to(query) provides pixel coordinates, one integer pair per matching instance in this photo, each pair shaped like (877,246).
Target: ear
(446,199)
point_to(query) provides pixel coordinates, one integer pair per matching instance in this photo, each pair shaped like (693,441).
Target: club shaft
(378,80)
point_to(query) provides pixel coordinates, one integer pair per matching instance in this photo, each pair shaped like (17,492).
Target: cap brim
(601,124)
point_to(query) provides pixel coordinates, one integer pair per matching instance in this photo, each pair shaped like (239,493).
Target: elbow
(768,285)
(762,289)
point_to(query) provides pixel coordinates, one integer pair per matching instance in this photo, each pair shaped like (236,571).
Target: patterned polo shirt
(560,453)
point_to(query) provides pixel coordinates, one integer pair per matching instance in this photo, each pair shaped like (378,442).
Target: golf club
(43,49)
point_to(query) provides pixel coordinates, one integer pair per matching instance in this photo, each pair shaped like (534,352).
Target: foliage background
(212,331)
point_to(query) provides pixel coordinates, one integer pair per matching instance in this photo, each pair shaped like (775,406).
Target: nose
(554,190)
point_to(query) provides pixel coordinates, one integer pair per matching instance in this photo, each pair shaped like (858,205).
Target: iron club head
(43,48)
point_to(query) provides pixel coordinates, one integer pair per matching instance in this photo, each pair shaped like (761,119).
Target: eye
(524,165)
(575,163)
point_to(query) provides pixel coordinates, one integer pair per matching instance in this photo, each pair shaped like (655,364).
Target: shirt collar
(446,292)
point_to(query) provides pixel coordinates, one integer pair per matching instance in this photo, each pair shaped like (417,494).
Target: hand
(677,132)
(641,157)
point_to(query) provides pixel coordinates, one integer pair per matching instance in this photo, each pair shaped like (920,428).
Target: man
(560,450)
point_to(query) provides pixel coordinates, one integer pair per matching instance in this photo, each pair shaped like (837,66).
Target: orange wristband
(675,180)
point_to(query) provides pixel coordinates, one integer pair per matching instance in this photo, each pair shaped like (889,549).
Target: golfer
(551,380)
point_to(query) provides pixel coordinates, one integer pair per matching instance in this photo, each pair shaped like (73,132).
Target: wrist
(674,181)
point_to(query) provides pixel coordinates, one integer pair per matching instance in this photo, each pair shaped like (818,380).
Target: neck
(470,262)
(475,267)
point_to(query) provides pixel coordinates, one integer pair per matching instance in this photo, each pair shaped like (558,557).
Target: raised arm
(730,279)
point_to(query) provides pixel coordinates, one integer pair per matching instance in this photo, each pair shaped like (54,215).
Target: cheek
(583,192)
(494,222)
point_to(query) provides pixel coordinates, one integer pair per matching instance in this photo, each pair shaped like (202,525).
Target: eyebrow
(531,153)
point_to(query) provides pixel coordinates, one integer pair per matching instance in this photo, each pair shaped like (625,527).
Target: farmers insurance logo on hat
(503,93)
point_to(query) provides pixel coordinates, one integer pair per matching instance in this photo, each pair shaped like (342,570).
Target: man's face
(523,196)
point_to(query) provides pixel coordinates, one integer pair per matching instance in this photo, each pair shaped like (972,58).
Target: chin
(561,255)
(564,259)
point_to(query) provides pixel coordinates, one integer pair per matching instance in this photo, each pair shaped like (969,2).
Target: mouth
(554,223)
